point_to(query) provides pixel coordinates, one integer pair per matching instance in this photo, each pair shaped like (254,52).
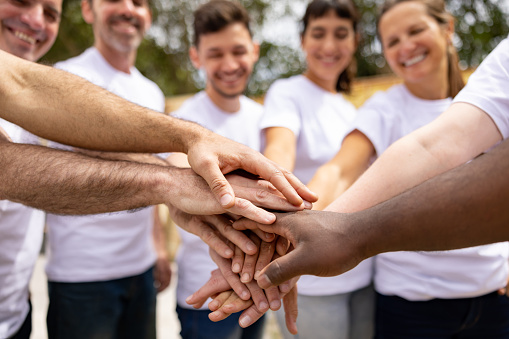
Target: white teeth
(25,37)
(414,60)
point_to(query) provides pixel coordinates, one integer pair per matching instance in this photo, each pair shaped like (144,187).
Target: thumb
(283,269)
(218,184)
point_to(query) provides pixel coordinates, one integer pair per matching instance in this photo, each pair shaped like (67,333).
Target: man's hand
(191,194)
(324,245)
(213,156)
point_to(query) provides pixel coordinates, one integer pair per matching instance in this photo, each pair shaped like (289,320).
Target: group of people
(104,270)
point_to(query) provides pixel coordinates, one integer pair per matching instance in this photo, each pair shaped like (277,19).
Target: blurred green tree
(480,26)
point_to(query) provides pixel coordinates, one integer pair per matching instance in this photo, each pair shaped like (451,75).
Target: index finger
(287,183)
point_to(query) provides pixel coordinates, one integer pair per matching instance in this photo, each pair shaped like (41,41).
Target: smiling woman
(28,28)
(421,292)
(306,117)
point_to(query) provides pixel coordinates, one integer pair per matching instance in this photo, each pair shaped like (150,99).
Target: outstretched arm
(460,134)
(72,111)
(64,182)
(464,207)
(337,175)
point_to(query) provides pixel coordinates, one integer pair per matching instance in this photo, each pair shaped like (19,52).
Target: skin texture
(440,214)
(209,155)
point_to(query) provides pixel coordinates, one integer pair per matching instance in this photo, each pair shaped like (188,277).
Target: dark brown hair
(216,15)
(436,10)
(344,9)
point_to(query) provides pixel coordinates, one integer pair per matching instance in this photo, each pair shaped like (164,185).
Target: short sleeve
(488,87)
(281,108)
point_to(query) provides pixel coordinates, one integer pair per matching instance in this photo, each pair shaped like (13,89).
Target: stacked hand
(233,288)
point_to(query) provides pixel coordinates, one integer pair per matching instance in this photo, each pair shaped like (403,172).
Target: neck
(121,61)
(227,104)
(328,85)
(433,87)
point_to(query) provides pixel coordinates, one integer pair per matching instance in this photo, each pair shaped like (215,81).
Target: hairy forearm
(464,207)
(73,111)
(69,183)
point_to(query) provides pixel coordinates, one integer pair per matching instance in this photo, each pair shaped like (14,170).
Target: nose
(127,7)
(33,16)
(230,63)
(407,45)
(329,44)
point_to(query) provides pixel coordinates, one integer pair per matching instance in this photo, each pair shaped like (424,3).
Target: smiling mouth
(25,37)
(414,60)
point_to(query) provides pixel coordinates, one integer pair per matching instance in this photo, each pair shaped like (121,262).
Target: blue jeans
(195,324)
(482,317)
(114,309)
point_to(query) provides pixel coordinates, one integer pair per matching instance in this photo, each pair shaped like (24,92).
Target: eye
(341,33)
(239,52)
(416,30)
(51,15)
(392,43)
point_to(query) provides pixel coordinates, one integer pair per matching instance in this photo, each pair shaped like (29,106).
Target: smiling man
(27,30)
(224,50)
(98,286)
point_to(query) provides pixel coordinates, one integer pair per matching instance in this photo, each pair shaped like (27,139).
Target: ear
(256,51)
(86,11)
(449,30)
(148,23)
(195,58)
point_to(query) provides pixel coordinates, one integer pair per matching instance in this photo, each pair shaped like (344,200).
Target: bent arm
(336,176)
(461,133)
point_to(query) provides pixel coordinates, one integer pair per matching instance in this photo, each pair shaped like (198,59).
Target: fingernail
(245,278)
(275,305)
(251,246)
(245,295)
(236,268)
(264,306)
(307,205)
(284,288)
(257,273)
(226,199)
(228,253)
(189,298)
(269,236)
(264,281)
(245,321)
(213,305)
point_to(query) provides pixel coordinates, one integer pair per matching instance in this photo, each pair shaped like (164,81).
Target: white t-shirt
(21,230)
(417,276)
(194,263)
(105,246)
(488,87)
(319,121)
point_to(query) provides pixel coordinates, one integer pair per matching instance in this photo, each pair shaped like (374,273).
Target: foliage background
(480,26)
